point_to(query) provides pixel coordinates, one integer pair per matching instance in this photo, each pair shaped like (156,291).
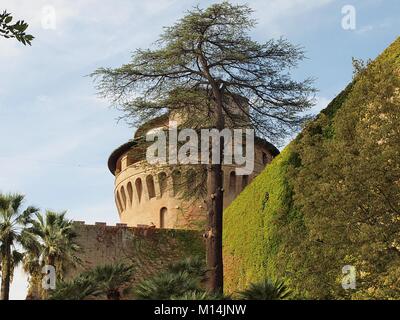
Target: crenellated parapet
(147,248)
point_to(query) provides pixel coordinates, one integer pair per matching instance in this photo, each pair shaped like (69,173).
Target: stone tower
(147,196)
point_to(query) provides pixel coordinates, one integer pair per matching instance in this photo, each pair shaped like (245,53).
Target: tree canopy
(210,50)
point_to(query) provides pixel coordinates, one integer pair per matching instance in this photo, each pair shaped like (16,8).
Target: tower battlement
(148,249)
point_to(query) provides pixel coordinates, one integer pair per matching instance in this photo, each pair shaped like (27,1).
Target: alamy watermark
(49,280)
(49,18)
(349,21)
(238,147)
(349,278)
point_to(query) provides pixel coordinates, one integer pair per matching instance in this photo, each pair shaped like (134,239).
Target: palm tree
(266,290)
(112,280)
(31,266)
(194,266)
(79,288)
(12,224)
(166,285)
(50,240)
(179,280)
(106,280)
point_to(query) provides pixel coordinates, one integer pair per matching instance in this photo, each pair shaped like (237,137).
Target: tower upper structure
(151,195)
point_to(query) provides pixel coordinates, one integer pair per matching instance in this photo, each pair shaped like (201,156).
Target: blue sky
(56,134)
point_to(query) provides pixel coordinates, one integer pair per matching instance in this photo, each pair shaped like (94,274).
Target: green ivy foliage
(333,199)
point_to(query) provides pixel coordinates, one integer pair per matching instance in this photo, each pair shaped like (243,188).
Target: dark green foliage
(200,295)
(15,30)
(266,290)
(79,288)
(194,266)
(191,243)
(334,198)
(166,285)
(51,239)
(111,280)
(180,280)
(106,281)
(13,222)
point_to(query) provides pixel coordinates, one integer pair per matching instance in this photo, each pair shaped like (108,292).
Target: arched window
(176,181)
(245,181)
(119,203)
(123,194)
(130,193)
(163,214)
(162,180)
(139,188)
(232,183)
(150,186)
(264,158)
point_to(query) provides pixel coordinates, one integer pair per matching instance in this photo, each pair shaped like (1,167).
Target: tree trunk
(51,261)
(35,287)
(214,234)
(113,295)
(215,196)
(6,273)
(215,209)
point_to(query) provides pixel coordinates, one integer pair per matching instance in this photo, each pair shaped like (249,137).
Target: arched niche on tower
(163,217)
(123,195)
(139,188)
(176,181)
(150,186)
(163,183)
(129,188)
(119,202)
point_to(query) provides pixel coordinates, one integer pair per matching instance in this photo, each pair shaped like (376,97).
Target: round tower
(147,195)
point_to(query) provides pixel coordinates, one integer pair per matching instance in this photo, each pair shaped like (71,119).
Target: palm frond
(78,289)
(165,286)
(200,295)
(266,290)
(194,266)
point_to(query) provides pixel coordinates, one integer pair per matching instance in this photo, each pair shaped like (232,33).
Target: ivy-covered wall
(150,250)
(330,199)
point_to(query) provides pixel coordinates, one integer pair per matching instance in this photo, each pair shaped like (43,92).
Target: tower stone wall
(145,195)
